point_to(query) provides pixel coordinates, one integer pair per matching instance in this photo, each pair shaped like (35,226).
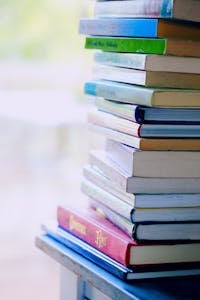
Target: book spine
(135,61)
(137,8)
(119,27)
(119,92)
(129,45)
(94,234)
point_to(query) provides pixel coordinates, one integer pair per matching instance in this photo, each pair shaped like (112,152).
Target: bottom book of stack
(90,234)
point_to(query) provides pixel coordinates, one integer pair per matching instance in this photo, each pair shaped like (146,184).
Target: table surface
(168,288)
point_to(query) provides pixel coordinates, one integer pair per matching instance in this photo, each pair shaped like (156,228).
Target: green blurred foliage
(40,29)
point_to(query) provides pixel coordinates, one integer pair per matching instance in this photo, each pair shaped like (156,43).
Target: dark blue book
(136,27)
(71,242)
(141,114)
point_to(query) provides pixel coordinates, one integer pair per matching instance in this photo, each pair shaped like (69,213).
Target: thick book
(187,144)
(139,27)
(176,47)
(134,94)
(177,9)
(147,78)
(103,235)
(140,215)
(149,62)
(142,114)
(140,200)
(142,185)
(154,163)
(149,232)
(59,240)
(153,130)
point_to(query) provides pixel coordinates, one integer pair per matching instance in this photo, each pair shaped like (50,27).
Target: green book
(144,45)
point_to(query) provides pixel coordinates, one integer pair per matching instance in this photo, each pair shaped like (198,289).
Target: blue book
(151,97)
(136,27)
(67,241)
(142,114)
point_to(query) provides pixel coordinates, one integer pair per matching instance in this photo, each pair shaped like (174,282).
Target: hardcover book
(147,115)
(149,62)
(142,185)
(136,27)
(154,163)
(61,240)
(176,9)
(140,200)
(110,121)
(151,97)
(147,78)
(177,47)
(100,233)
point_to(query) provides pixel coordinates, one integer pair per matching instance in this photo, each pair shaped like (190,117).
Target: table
(92,277)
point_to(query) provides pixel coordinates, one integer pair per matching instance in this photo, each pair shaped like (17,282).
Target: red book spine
(96,231)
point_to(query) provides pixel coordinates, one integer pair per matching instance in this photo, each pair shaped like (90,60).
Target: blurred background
(44,139)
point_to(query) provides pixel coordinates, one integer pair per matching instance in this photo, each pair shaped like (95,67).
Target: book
(177,9)
(153,130)
(151,232)
(139,27)
(154,163)
(151,97)
(139,215)
(59,240)
(147,78)
(182,144)
(140,200)
(149,62)
(175,47)
(142,114)
(103,235)
(141,185)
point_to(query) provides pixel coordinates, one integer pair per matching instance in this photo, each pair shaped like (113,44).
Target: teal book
(134,94)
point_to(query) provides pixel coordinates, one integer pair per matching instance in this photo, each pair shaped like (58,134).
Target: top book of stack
(187,10)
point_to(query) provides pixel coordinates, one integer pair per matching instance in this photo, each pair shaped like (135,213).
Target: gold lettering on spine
(74,224)
(100,239)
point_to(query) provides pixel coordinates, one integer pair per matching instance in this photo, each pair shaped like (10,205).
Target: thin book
(139,27)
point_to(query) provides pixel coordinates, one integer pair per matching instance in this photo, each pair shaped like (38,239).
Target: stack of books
(140,216)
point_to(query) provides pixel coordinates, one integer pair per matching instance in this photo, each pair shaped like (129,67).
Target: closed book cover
(71,241)
(149,62)
(176,47)
(150,97)
(140,200)
(147,78)
(104,119)
(148,115)
(149,232)
(103,235)
(178,9)
(142,185)
(139,27)
(154,163)
(63,247)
